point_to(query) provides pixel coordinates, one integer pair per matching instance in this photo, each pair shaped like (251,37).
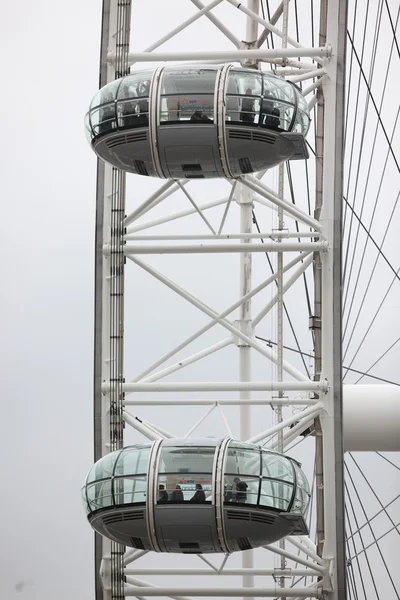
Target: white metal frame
(323,68)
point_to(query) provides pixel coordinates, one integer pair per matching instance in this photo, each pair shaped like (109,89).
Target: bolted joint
(105,573)
(245,327)
(314,323)
(249,63)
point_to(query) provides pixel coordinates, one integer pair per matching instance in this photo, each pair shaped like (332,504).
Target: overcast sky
(50,67)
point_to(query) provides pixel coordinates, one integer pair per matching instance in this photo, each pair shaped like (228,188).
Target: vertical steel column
(315,323)
(331,218)
(246,213)
(109,289)
(281,194)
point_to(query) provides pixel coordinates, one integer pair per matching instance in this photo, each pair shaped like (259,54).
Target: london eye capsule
(196,496)
(198,122)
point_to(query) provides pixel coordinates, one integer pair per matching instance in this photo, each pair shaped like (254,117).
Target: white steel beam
(218,24)
(224,55)
(182,26)
(285,234)
(214,321)
(218,592)
(308,412)
(227,572)
(176,215)
(331,277)
(225,386)
(130,249)
(263,350)
(222,401)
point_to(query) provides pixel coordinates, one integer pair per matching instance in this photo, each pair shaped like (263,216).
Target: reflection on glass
(276,466)
(241,460)
(241,490)
(130,490)
(188,81)
(275,494)
(193,108)
(188,459)
(174,488)
(103,468)
(106,94)
(99,494)
(133,461)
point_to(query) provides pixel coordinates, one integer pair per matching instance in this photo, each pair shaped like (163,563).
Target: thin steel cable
(284,304)
(353,137)
(379,512)
(360,155)
(371,530)
(380,358)
(389,461)
(350,560)
(291,188)
(372,239)
(362,541)
(369,171)
(372,322)
(366,244)
(393,28)
(374,104)
(307,355)
(371,488)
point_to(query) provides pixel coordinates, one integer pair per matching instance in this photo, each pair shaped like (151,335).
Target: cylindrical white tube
(371,418)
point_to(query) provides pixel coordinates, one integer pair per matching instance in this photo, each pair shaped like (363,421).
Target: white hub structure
(230,324)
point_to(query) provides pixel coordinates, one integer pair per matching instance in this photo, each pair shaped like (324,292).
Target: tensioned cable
(372,239)
(284,304)
(366,183)
(371,488)
(349,561)
(379,359)
(366,374)
(374,104)
(370,277)
(372,322)
(361,539)
(379,512)
(393,28)
(370,223)
(371,530)
(353,136)
(290,181)
(360,155)
(389,461)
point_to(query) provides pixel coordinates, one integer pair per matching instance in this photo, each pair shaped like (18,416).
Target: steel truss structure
(302,244)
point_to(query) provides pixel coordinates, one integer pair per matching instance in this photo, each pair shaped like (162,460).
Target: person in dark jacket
(199,495)
(241,490)
(247,115)
(162,494)
(177,494)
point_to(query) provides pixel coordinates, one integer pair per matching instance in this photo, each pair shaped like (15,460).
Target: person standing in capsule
(199,495)
(241,490)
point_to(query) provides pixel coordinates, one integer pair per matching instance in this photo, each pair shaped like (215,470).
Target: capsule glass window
(275,466)
(99,494)
(185,474)
(243,97)
(106,94)
(104,468)
(187,95)
(276,494)
(133,461)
